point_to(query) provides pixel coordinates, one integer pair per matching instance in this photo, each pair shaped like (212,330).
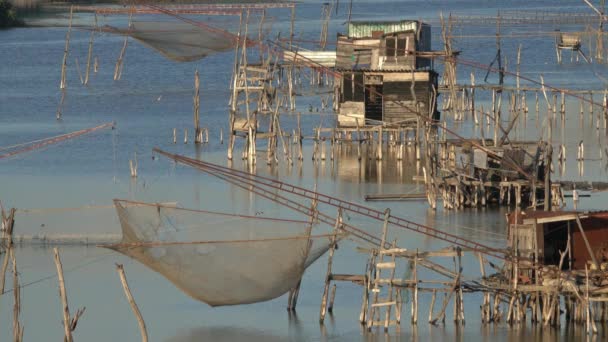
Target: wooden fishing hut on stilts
(387,79)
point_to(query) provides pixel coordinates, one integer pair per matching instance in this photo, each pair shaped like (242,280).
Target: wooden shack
(569,41)
(386,77)
(541,236)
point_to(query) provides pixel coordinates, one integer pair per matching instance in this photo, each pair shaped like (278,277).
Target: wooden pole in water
(119,62)
(329,266)
(291,28)
(64,298)
(332,297)
(548,155)
(299,137)
(380,143)
(133,165)
(58,113)
(17,327)
(4,269)
(473,113)
(78,70)
(90,53)
(63,83)
(196,99)
(134,307)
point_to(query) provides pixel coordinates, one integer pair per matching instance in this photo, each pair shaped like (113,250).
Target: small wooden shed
(541,236)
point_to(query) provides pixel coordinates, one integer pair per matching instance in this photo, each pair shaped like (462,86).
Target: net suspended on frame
(218,258)
(177,41)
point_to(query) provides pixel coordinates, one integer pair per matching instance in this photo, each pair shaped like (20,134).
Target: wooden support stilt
(332,297)
(415,292)
(359,141)
(134,307)
(196,104)
(332,248)
(5,261)
(366,288)
(432,305)
(380,143)
(300,139)
(292,299)
(460,295)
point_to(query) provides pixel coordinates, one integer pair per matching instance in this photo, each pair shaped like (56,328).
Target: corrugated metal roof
(387,71)
(361,29)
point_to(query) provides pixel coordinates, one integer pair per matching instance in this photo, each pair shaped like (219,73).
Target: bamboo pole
(134,307)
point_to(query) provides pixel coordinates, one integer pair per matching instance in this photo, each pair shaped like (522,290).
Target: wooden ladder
(390,297)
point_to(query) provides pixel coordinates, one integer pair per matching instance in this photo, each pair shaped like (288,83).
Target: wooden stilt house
(387,73)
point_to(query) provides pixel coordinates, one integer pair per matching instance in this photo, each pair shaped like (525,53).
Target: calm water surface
(155,96)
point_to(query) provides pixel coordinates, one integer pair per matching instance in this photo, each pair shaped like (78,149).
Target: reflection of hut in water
(390,169)
(544,235)
(387,74)
(569,41)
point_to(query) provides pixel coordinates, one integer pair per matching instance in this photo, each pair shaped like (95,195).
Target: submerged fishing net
(177,41)
(218,258)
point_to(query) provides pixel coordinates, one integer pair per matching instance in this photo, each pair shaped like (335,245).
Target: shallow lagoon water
(155,96)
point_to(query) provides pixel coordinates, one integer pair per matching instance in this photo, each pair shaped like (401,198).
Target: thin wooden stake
(17,327)
(90,54)
(196,99)
(134,307)
(64,298)
(63,83)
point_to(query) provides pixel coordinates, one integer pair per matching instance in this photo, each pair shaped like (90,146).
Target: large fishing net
(176,40)
(220,258)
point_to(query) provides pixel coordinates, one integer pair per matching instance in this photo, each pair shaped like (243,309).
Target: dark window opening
(401,47)
(358,87)
(347,87)
(373,102)
(390,47)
